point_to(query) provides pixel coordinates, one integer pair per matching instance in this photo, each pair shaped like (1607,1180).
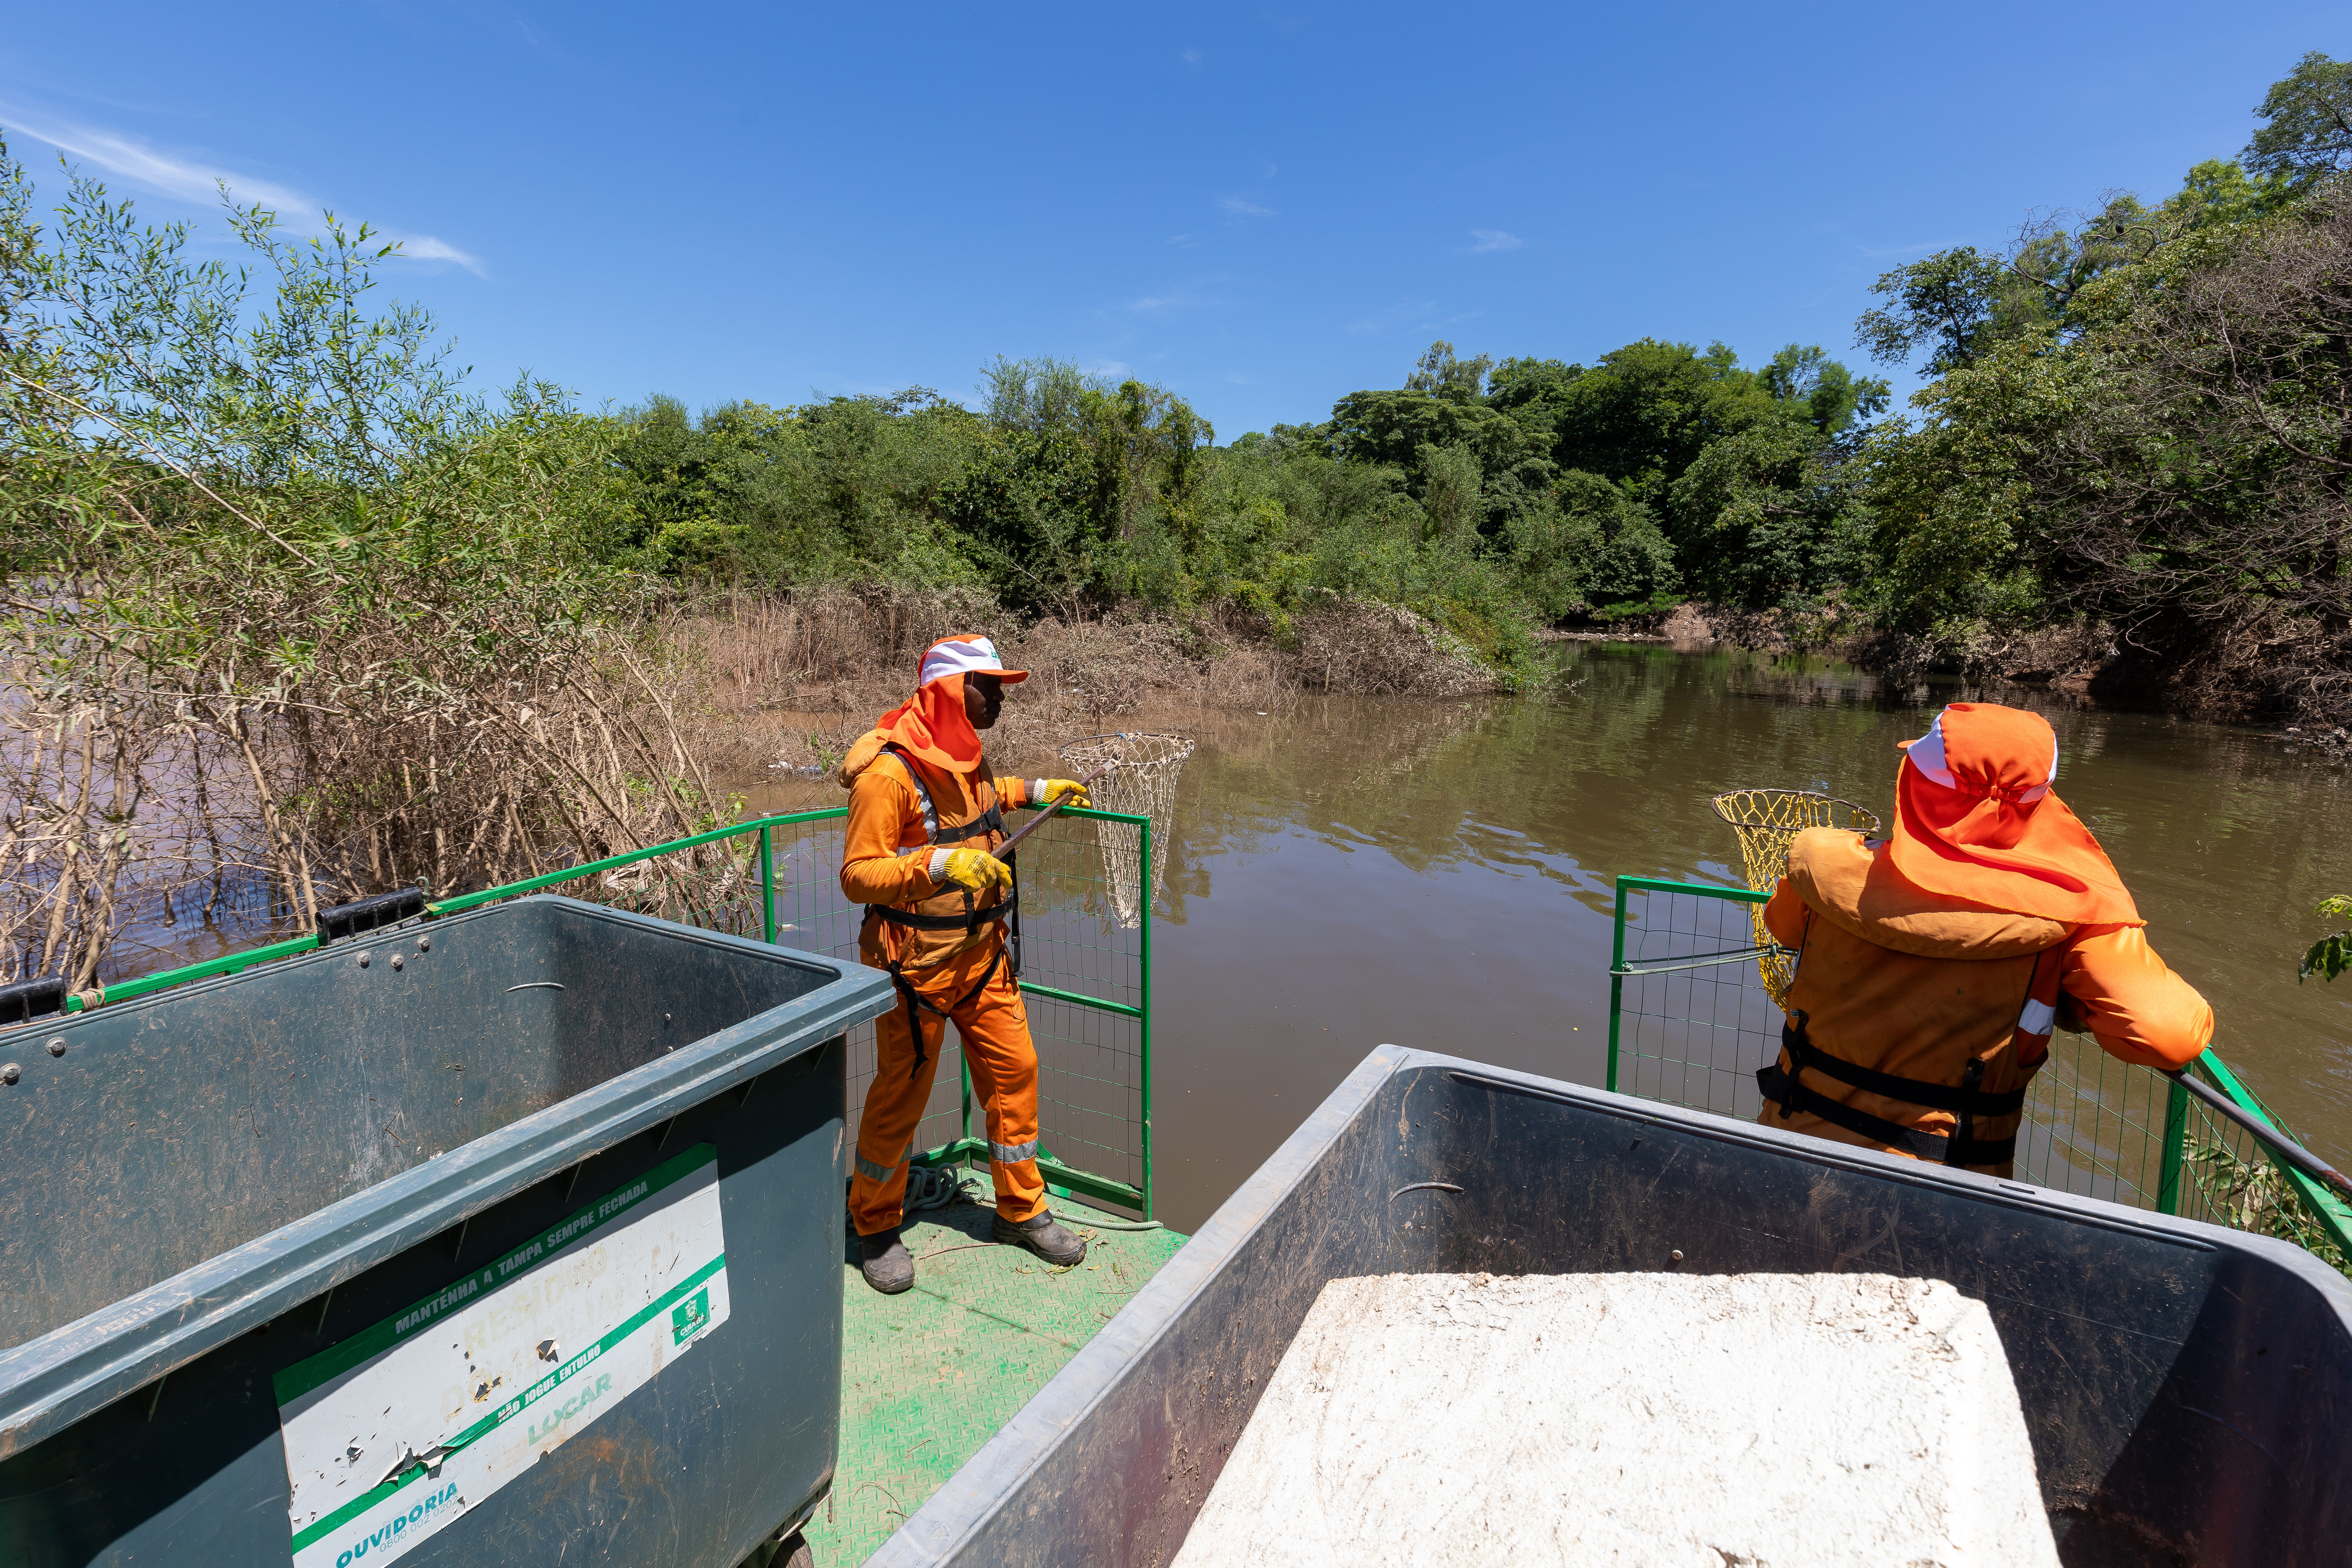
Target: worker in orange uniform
(925,814)
(1933,964)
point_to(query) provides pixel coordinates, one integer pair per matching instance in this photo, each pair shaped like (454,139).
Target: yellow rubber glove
(976,869)
(1076,792)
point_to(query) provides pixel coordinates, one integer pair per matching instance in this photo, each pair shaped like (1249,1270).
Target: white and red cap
(965,655)
(1996,765)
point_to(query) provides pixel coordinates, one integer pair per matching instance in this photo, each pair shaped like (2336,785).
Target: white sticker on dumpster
(394,1432)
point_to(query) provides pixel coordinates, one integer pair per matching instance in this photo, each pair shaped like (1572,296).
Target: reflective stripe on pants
(994,1029)
(867,1167)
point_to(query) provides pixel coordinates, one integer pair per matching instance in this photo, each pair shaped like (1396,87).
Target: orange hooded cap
(1975,820)
(932,725)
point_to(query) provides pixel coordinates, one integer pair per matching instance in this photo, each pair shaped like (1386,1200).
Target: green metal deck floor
(928,1377)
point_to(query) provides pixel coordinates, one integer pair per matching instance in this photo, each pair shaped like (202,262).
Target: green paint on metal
(767,884)
(930,1377)
(1703,890)
(1143,1014)
(1052,994)
(2330,1211)
(227,964)
(1616,983)
(2176,1137)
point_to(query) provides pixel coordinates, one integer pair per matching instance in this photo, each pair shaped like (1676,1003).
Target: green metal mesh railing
(1689,1023)
(1087,977)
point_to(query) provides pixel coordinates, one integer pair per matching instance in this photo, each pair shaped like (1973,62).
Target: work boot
(882,1258)
(1042,1236)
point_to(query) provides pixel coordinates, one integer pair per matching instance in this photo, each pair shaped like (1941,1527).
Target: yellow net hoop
(1141,781)
(1768,820)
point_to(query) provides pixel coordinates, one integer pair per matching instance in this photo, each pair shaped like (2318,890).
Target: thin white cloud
(1184,240)
(1403,313)
(1235,206)
(1494,239)
(1191,56)
(1164,303)
(1411,315)
(189,181)
(424,247)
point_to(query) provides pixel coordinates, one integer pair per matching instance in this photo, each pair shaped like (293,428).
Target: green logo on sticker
(690,1317)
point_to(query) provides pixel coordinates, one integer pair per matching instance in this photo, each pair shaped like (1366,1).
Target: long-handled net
(1768,820)
(1141,780)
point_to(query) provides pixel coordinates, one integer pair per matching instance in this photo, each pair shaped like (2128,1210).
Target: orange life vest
(921,933)
(1914,1023)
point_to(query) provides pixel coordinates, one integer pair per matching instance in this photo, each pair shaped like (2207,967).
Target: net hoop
(1767,822)
(1142,782)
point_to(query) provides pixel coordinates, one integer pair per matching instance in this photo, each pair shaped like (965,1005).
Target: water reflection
(1441,875)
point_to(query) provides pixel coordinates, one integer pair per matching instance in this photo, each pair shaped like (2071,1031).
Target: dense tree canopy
(2141,418)
(2137,423)
(2134,419)
(1488,497)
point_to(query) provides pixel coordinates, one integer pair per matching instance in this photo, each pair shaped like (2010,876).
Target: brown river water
(1441,875)
(1345,873)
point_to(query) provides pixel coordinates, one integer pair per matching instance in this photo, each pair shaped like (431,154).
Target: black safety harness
(1966,1101)
(969,922)
(1960,1147)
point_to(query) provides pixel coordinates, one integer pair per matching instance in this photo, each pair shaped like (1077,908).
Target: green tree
(1395,428)
(2307,130)
(1949,305)
(1631,565)
(1642,414)
(1773,518)
(1442,374)
(1821,391)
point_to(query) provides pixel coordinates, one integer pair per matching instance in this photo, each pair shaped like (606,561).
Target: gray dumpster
(2187,1389)
(510,1238)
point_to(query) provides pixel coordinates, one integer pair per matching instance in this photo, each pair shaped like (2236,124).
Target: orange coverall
(1920,986)
(964,973)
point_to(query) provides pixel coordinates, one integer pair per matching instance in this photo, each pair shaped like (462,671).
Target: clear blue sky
(1262,209)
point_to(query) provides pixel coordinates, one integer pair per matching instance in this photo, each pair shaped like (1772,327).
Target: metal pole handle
(1005,850)
(2282,1148)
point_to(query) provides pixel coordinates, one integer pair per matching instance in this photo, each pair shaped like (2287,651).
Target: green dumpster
(514,1237)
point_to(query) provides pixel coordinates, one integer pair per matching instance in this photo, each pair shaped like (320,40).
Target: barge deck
(929,1376)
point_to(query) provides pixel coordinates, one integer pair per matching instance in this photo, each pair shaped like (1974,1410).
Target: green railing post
(966,1147)
(1143,1023)
(1616,984)
(964,1067)
(767,885)
(2175,1148)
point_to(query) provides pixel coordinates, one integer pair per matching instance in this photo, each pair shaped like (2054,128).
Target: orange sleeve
(1011,792)
(2135,1007)
(872,870)
(1784,916)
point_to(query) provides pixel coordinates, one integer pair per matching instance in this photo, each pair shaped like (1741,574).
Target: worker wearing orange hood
(1933,964)
(925,814)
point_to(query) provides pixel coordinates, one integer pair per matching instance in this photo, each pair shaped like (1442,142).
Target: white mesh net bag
(1141,781)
